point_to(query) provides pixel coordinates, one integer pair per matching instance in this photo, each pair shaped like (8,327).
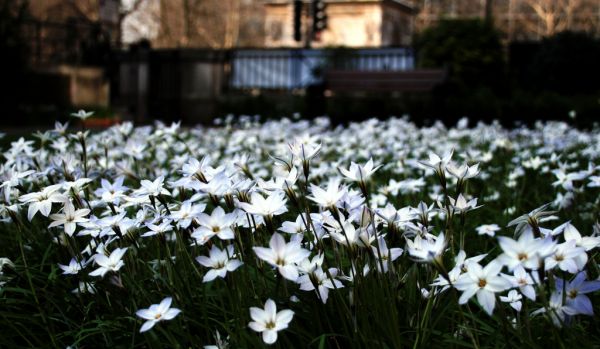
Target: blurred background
(195,60)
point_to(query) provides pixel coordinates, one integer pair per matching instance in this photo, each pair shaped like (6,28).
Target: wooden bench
(419,80)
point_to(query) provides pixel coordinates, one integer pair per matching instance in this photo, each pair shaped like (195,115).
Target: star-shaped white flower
(42,201)
(426,250)
(487,229)
(156,313)
(218,223)
(113,262)
(327,198)
(160,229)
(269,321)
(82,114)
(69,218)
(283,256)
(220,262)
(358,173)
(482,282)
(273,205)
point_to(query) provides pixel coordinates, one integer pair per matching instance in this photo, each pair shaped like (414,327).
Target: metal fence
(182,83)
(287,69)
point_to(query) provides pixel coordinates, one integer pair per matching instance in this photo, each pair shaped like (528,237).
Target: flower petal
(147,325)
(487,300)
(269,336)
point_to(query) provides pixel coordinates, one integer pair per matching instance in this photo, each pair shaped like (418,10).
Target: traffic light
(319,17)
(298,20)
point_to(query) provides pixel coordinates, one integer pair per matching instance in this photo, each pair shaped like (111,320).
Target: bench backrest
(383,81)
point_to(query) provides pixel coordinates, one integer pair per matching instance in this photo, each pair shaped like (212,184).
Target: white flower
(384,256)
(461,205)
(269,321)
(152,188)
(565,180)
(426,250)
(523,281)
(156,313)
(514,299)
(461,266)
(463,172)
(322,281)
(82,114)
(568,257)
(526,251)
(587,242)
(273,205)
(358,173)
(350,236)
(283,256)
(438,163)
(594,182)
(42,201)
(396,217)
(297,227)
(73,268)
(76,186)
(285,181)
(112,192)
(305,149)
(487,229)
(218,223)
(218,185)
(69,218)
(12,178)
(197,169)
(160,229)
(329,198)
(187,212)
(533,163)
(482,282)
(220,262)
(111,263)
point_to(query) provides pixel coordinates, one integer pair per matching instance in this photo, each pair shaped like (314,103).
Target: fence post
(297,57)
(226,62)
(38,41)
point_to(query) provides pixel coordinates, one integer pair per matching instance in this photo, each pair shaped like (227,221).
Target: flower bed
(297,234)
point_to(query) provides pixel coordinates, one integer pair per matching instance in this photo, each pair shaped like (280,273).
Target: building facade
(350,23)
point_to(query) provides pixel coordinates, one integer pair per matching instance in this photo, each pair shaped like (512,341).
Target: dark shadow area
(456,68)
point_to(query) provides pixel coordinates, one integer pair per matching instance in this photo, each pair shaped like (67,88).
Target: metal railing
(287,69)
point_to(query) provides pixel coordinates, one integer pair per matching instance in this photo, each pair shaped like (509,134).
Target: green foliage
(470,49)
(544,81)
(566,63)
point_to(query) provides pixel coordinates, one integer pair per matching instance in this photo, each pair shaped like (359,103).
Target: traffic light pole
(314,13)
(309,28)
(298,14)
